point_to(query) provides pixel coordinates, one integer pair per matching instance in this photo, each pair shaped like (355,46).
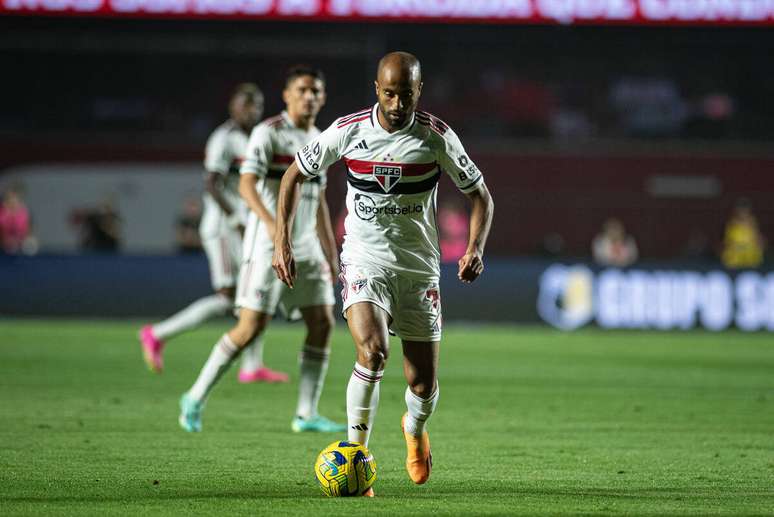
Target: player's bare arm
(283,261)
(253,199)
(214,184)
(325,233)
(471,265)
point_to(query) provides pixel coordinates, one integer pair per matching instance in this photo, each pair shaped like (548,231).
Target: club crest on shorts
(434,297)
(387,175)
(358,284)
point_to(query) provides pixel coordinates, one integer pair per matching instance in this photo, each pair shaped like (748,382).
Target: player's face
(398,95)
(304,96)
(247,110)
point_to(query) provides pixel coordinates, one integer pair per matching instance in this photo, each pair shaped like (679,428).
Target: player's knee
(246,331)
(323,324)
(373,353)
(422,388)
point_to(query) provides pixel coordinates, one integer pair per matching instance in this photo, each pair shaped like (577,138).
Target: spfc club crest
(434,297)
(387,175)
(358,284)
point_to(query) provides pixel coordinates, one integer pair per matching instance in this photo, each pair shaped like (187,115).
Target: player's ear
(286,95)
(376,88)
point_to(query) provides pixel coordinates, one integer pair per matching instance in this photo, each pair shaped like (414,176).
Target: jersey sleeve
(259,152)
(217,157)
(322,152)
(455,162)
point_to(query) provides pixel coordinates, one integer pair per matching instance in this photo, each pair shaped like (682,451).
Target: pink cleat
(151,349)
(262,374)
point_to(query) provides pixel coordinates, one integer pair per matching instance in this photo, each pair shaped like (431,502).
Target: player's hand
(471,265)
(284,263)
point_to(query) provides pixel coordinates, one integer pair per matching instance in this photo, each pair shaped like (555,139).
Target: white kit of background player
(221,230)
(271,148)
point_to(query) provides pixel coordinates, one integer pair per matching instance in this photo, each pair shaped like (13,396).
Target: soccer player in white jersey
(390,269)
(221,231)
(272,145)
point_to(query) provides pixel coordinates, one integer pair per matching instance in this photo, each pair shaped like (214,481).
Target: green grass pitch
(530,422)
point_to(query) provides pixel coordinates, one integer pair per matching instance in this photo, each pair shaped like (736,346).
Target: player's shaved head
(398,86)
(402,64)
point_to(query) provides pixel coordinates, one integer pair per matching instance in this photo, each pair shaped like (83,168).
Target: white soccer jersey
(392,184)
(224,153)
(270,151)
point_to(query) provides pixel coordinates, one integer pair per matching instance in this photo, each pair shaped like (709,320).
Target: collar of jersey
(287,119)
(375,122)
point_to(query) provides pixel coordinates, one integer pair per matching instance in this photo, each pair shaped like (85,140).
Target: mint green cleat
(190,414)
(316,424)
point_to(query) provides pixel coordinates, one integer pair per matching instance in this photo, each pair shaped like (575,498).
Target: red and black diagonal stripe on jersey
(431,121)
(274,121)
(353,117)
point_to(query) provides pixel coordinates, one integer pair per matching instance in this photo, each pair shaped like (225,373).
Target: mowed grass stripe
(530,422)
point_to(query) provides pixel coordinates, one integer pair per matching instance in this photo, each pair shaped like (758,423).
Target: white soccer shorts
(259,288)
(414,305)
(224,254)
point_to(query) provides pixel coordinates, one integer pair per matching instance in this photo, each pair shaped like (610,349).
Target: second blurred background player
(271,147)
(221,232)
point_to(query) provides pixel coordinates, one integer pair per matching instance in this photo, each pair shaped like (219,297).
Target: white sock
(313,363)
(419,410)
(362,401)
(192,316)
(252,356)
(223,354)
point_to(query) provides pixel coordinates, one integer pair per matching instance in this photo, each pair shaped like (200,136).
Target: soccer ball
(345,469)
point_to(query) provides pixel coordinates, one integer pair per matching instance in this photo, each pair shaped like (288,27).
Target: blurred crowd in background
(107,91)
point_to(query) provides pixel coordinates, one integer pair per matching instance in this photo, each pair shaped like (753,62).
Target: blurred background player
(390,262)
(271,148)
(221,229)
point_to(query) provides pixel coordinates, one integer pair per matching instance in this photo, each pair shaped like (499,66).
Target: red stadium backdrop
(630,12)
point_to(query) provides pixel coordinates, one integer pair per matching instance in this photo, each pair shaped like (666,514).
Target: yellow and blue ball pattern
(345,469)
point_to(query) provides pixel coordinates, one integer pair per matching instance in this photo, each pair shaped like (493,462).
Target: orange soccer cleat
(419,460)
(369,492)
